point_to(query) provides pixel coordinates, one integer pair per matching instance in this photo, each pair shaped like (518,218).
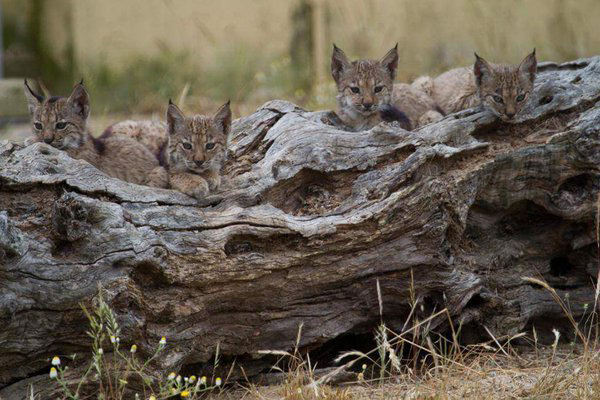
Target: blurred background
(136,54)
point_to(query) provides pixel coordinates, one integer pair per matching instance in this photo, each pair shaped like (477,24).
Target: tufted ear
(390,61)
(34,100)
(79,101)
(223,118)
(528,66)
(339,63)
(481,69)
(175,118)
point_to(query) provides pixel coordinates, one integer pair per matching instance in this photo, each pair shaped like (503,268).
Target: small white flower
(163,341)
(118,340)
(186,379)
(218,381)
(137,396)
(192,378)
(364,366)
(178,379)
(113,339)
(171,376)
(153,397)
(56,361)
(133,348)
(203,380)
(53,373)
(100,351)
(585,306)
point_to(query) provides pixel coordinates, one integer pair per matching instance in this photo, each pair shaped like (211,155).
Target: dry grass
(420,364)
(435,35)
(546,374)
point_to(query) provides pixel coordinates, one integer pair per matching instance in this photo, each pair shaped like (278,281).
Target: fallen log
(309,219)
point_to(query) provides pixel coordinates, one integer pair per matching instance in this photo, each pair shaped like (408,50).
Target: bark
(310,218)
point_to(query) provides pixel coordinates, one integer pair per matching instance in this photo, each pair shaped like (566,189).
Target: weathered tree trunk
(310,218)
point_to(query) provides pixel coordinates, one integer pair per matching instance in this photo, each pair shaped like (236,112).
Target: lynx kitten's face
(197,144)
(505,89)
(59,121)
(363,85)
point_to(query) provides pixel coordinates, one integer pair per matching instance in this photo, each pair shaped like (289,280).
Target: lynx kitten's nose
(48,140)
(199,163)
(367,106)
(510,115)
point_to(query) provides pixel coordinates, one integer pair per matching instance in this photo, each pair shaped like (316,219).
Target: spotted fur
(152,134)
(502,89)
(61,122)
(418,105)
(196,150)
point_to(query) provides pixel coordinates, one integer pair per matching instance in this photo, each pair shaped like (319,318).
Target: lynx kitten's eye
(498,99)
(209,146)
(38,126)
(354,89)
(187,146)
(61,125)
(378,89)
(520,98)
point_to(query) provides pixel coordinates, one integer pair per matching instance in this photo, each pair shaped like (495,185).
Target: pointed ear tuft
(175,118)
(223,118)
(390,61)
(481,69)
(528,66)
(339,63)
(34,100)
(80,101)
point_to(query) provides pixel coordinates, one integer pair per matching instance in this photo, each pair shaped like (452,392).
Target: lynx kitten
(196,150)
(62,123)
(502,89)
(366,86)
